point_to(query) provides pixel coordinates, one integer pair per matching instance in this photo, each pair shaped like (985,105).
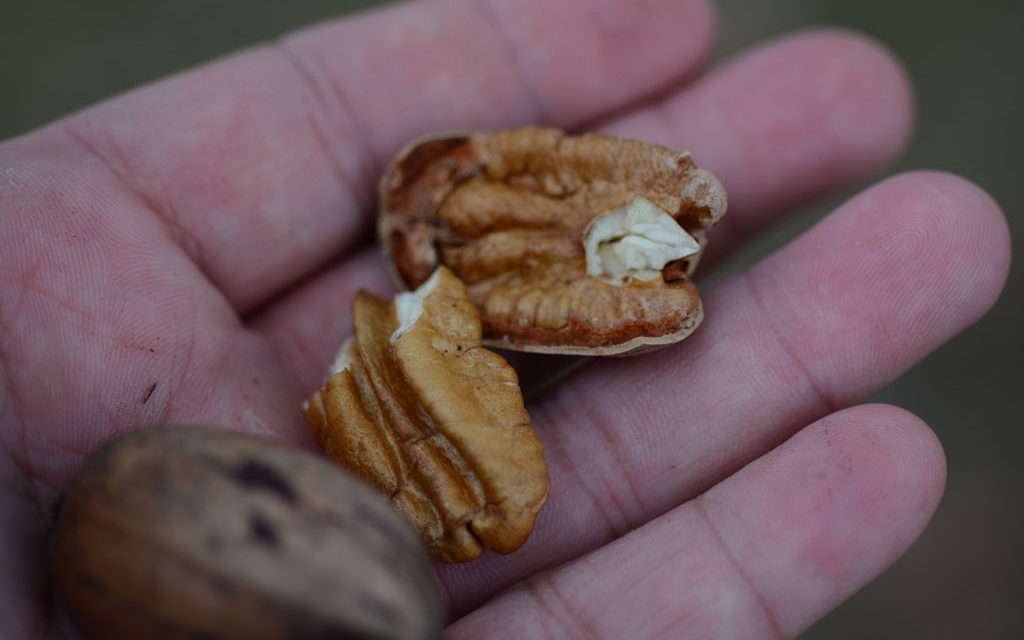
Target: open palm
(187,253)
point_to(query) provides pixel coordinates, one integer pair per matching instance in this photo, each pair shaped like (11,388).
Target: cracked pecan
(568,244)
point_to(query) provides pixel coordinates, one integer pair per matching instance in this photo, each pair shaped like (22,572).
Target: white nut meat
(635,240)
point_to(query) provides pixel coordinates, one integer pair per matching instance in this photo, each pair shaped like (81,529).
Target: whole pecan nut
(198,532)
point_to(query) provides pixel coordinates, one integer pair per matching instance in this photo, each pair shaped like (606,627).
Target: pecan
(416,406)
(568,244)
(198,532)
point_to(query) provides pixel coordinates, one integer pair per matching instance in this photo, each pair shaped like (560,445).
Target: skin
(205,235)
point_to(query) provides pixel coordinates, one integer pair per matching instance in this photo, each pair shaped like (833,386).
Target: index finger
(262,165)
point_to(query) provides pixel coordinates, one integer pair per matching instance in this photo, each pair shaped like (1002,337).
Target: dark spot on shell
(57,505)
(93,584)
(263,532)
(256,475)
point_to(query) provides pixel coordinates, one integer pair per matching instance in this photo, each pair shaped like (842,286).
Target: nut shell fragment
(418,408)
(509,212)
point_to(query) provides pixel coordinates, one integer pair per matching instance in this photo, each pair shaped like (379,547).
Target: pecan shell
(197,532)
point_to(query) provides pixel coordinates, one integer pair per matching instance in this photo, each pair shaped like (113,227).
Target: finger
(761,555)
(840,311)
(104,328)
(263,165)
(784,123)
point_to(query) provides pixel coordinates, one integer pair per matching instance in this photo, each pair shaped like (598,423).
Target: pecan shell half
(568,244)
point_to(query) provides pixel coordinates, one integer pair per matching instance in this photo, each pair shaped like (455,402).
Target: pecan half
(568,244)
(418,408)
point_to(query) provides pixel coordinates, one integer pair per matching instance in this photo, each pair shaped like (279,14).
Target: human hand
(187,253)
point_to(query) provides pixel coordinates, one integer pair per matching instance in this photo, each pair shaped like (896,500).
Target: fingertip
(869,466)
(703,14)
(948,238)
(831,508)
(865,92)
(860,102)
(909,457)
(888,473)
(975,217)
(895,272)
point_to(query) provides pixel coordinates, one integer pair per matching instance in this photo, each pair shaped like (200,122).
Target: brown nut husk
(197,532)
(419,409)
(578,245)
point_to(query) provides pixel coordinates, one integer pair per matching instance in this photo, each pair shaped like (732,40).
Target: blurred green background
(965,576)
